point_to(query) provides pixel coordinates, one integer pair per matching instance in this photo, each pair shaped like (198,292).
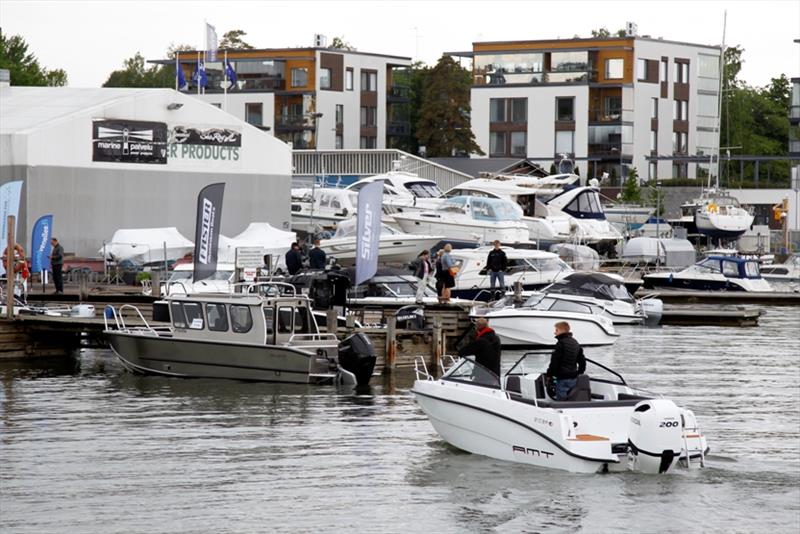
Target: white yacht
(531,322)
(605,425)
(395,246)
(403,190)
(469,221)
(532,268)
(588,221)
(720,215)
(788,271)
(714,273)
(627,217)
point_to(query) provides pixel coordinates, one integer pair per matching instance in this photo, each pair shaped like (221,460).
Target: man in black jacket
(485,347)
(294,260)
(566,362)
(316,257)
(496,264)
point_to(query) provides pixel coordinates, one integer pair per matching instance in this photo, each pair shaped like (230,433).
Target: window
(519,110)
(178,318)
(339,114)
(285,320)
(339,141)
(216,105)
(680,110)
(614,68)
(369,81)
(194,315)
(324,78)
(269,323)
(679,142)
(653,141)
(369,142)
(254,114)
(497,143)
(348,79)
(681,72)
(707,105)
(664,70)
(217,317)
(497,110)
(519,144)
(730,268)
(565,142)
(241,320)
(654,108)
(641,69)
(368,116)
(653,170)
(299,77)
(613,107)
(565,108)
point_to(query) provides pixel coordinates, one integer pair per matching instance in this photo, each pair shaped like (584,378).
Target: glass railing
(293,121)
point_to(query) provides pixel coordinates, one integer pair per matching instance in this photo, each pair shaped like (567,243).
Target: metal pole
(10,267)
(166,267)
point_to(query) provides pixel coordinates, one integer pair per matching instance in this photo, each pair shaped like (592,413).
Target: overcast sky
(89,39)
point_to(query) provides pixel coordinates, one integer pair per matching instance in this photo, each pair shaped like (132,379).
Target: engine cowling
(655,436)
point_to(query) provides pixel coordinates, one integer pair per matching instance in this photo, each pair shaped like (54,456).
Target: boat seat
(582,390)
(513,384)
(560,405)
(626,396)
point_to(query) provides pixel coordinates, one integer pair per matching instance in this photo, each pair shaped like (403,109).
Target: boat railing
(421,369)
(119,320)
(312,337)
(175,283)
(442,366)
(255,287)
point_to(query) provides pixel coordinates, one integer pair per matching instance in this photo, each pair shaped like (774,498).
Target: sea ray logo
(366,249)
(206,229)
(218,136)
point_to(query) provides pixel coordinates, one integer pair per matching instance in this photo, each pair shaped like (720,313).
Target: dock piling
(391,343)
(10,268)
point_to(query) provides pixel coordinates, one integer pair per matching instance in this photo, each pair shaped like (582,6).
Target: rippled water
(86,447)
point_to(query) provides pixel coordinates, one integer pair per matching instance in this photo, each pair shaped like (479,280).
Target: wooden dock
(715,317)
(723,297)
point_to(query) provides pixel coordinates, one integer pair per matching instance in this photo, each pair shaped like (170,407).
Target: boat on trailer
(606,425)
(268,335)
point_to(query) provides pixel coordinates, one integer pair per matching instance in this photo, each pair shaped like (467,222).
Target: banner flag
(180,76)
(40,244)
(10,194)
(230,74)
(199,77)
(206,234)
(368,227)
(211,43)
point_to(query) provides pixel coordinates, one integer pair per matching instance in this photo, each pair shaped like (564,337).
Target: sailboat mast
(719,103)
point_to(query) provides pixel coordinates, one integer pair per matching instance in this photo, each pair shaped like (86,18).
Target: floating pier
(723,297)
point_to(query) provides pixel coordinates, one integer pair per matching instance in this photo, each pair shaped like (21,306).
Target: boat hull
(722,226)
(517,328)
(206,359)
(703,284)
(391,249)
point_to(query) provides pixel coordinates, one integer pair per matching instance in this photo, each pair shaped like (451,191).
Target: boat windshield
(467,370)
(495,209)
(751,269)
(706,266)
(548,264)
(424,189)
(349,228)
(179,276)
(591,286)
(586,205)
(389,287)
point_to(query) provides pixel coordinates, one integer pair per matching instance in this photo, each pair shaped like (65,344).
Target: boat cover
(579,257)
(669,252)
(596,285)
(146,245)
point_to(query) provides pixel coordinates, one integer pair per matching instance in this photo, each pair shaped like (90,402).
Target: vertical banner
(206,234)
(40,244)
(211,43)
(10,194)
(368,224)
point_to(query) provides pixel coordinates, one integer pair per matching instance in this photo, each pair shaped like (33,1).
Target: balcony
(396,94)
(611,150)
(398,128)
(294,122)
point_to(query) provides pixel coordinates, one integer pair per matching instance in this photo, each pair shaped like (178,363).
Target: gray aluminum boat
(270,336)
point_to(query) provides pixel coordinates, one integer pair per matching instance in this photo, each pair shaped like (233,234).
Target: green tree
(444,124)
(603,32)
(173,49)
(340,44)
(136,74)
(23,66)
(233,40)
(552,168)
(631,193)
(654,196)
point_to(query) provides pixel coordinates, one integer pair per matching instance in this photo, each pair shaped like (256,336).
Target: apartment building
(314,97)
(608,103)
(794,123)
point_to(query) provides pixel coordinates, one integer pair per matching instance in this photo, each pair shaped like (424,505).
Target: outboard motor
(653,310)
(411,317)
(357,356)
(655,436)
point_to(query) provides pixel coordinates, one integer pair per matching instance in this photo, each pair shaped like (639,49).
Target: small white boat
(394,247)
(181,280)
(146,245)
(468,221)
(531,323)
(714,273)
(532,268)
(320,208)
(606,425)
(788,271)
(587,219)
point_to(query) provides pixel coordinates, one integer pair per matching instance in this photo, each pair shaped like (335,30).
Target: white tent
(146,245)
(274,241)
(677,253)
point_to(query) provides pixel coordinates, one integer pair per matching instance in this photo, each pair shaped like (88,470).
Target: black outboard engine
(357,355)
(410,317)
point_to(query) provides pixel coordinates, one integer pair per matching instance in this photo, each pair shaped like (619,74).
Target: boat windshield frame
(467,367)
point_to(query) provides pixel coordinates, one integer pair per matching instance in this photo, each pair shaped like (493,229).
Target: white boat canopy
(349,228)
(273,240)
(669,252)
(579,257)
(146,245)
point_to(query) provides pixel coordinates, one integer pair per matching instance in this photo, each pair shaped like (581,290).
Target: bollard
(391,343)
(155,284)
(83,286)
(332,320)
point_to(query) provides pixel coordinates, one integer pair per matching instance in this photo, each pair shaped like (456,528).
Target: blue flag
(231,74)
(40,244)
(10,194)
(199,76)
(181,76)
(368,228)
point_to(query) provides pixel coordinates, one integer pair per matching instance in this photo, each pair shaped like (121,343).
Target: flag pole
(177,66)
(198,72)
(225,85)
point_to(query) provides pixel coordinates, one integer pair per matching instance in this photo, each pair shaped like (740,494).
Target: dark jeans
(497,276)
(58,279)
(563,385)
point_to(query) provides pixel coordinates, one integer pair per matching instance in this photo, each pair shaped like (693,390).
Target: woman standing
(439,270)
(449,271)
(423,272)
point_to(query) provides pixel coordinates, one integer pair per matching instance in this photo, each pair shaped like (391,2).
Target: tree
(173,49)
(135,74)
(603,32)
(444,124)
(23,66)
(552,168)
(233,40)
(631,193)
(340,44)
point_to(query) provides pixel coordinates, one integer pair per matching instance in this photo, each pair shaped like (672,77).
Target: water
(86,447)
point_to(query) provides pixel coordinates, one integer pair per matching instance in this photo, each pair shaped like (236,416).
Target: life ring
(713,208)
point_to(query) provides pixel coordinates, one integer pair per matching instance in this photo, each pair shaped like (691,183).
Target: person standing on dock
(449,271)
(294,260)
(566,362)
(485,347)
(438,274)
(496,264)
(57,264)
(316,257)
(422,271)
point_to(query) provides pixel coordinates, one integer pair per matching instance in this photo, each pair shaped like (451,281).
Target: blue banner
(368,225)
(10,194)
(40,244)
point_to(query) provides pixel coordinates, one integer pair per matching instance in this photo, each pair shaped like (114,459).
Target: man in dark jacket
(294,260)
(566,362)
(316,257)
(485,347)
(496,264)
(57,264)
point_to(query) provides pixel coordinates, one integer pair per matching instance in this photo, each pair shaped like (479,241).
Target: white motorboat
(468,221)
(714,273)
(788,271)
(606,293)
(181,280)
(587,219)
(532,268)
(655,227)
(321,208)
(403,190)
(394,247)
(531,322)
(606,425)
(627,217)
(719,215)
(544,229)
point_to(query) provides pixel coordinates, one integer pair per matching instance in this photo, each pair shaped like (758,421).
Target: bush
(142,276)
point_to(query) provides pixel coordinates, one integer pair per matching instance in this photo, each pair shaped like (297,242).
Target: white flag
(211,42)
